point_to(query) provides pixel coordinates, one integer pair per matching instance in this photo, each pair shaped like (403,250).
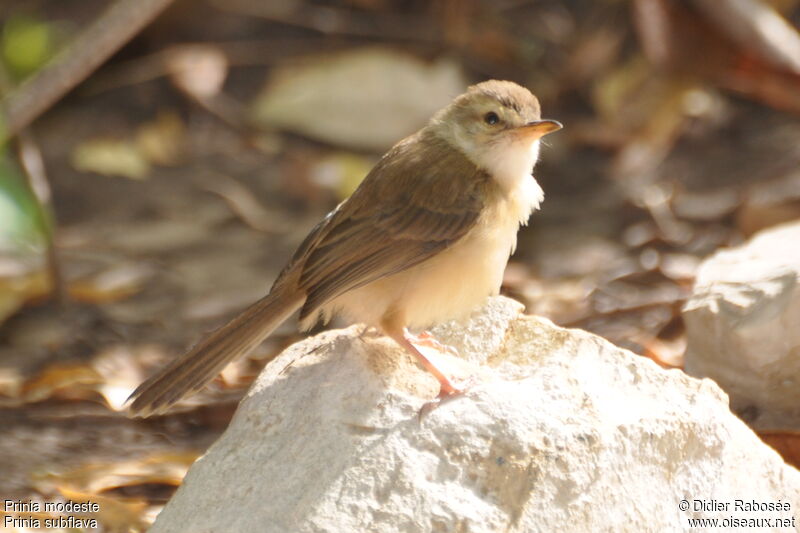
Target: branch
(107,34)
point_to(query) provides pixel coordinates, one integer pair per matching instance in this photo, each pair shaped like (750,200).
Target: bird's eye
(491,118)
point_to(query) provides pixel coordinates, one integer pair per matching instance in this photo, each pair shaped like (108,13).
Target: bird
(425,238)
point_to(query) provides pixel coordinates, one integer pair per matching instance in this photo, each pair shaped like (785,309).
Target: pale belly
(448,286)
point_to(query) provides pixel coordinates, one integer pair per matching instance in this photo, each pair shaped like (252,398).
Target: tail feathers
(194,369)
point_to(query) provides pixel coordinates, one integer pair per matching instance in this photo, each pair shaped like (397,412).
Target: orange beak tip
(545,126)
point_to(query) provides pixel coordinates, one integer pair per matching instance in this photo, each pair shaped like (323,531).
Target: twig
(107,34)
(32,162)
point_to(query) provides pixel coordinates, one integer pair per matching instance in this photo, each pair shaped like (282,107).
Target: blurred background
(162,159)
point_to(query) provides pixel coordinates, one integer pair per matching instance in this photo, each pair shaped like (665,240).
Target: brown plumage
(424,238)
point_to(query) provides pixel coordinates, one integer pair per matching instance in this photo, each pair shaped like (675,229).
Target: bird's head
(497,125)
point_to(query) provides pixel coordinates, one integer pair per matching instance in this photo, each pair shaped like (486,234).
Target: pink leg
(408,341)
(427,339)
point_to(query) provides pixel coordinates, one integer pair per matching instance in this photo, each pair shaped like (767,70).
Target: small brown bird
(425,238)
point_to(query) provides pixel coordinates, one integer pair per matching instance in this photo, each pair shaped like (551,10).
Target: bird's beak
(540,128)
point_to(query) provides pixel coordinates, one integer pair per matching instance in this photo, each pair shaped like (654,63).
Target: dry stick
(107,34)
(32,162)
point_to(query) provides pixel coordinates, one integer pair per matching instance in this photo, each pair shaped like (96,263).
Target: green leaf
(25,226)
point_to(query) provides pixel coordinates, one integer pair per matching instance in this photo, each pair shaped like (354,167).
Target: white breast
(511,167)
(510,163)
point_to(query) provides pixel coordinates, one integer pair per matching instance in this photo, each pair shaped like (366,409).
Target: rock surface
(565,432)
(743,326)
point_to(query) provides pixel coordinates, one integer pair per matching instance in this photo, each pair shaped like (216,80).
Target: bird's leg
(426,338)
(408,341)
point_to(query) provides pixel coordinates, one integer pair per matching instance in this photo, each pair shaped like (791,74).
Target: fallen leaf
(96,477)
(786,443)
(667,353)
(116,514)
(111,157)
(113,284)
(76,379)
(234,373)
(10,382)
(93,481)
(121,370)
(15,291)
(366,98)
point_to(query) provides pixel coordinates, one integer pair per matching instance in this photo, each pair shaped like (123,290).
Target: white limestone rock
(743,325)
(566,432)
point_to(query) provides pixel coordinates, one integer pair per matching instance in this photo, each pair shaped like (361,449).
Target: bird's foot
(455,390)
(433,356)
(431,360)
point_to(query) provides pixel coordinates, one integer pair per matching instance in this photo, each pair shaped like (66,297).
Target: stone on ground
(743,326)
(563,432)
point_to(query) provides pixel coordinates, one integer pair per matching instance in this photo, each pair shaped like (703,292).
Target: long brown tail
(194,369)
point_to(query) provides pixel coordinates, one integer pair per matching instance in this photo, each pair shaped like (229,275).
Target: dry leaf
(667,353)
(75,379)
(234,373)
(111,157)
(786,443)
(10,382)
(366,98)
(114,513)
(121,369)
(113,374)
(15,291)
(111,285)
(91,482)
(100,476)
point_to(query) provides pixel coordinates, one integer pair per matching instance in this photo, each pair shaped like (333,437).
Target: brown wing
(419,199)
